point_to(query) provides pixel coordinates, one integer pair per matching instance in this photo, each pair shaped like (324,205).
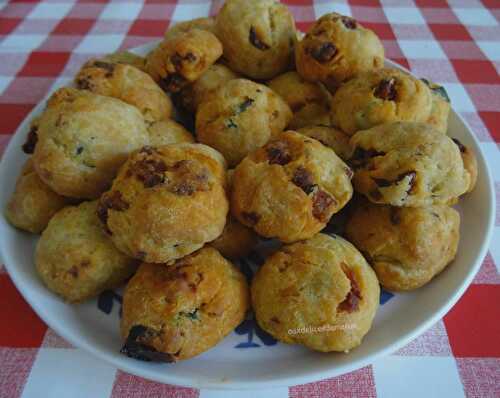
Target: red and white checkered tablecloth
(455,42)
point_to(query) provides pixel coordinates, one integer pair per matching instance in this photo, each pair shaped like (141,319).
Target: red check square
(7,25)
(21,326)
(41,63)
(475,71)
(12,116)
(149,28)
(73,26)
(432,3)
(303,26)
(492,122)
(367,3)
(472,324)
(450,32)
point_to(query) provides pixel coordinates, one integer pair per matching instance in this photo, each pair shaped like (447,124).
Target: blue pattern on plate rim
(248,327)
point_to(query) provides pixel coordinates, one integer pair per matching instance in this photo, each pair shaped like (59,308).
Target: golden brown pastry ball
(258,37)
(76,259)
(178,61)
(166,132)
(309,102)
(239,117)
(320,293)
(32,203)
(440,109)
(176,312)
(407,164)
(290,188)
(166,202)
(83,138)
(204,23)
(406,246)
(127,83)
(470,162)
(380,96)
(335,49)
(330,137)
(215,76)
(127,58)
(237,240)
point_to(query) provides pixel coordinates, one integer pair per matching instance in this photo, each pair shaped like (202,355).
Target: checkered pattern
(456,43)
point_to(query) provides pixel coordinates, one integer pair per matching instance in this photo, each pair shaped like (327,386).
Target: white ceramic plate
(247,358)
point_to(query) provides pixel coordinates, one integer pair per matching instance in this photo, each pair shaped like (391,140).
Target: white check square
(490,48)
(99,43)
(50,10)
(78,375)
(430,377)
(422,49)
(121,11)
(184,12)
(492,154)
(475,16)
(324,7)
(15,43)
(460,100)
(404,15)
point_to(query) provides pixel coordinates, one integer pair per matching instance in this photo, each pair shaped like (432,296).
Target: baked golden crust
(32,203)
(166,202)
(83,138)
(440,109)
(236,240)
(290,188)
(330,137)
(319,292)
(126,58)
(205,23)
(177,312)
(76,259)
(215,76)
(258,37)
(127,83)
(406,246)
(380,96)
(165,132)
(407,164)
(176,62)
(335,49)
(470,163)
(239,117)
(309,102)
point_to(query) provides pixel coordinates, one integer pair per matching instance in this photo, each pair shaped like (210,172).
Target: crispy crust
(407,164)
(184,309)
(239,117)
(290,188)
(178,61)
(166,202)
(335,49)
(406,246)
(320,282)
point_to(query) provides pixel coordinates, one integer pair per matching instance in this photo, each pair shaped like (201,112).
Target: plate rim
(306,377)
